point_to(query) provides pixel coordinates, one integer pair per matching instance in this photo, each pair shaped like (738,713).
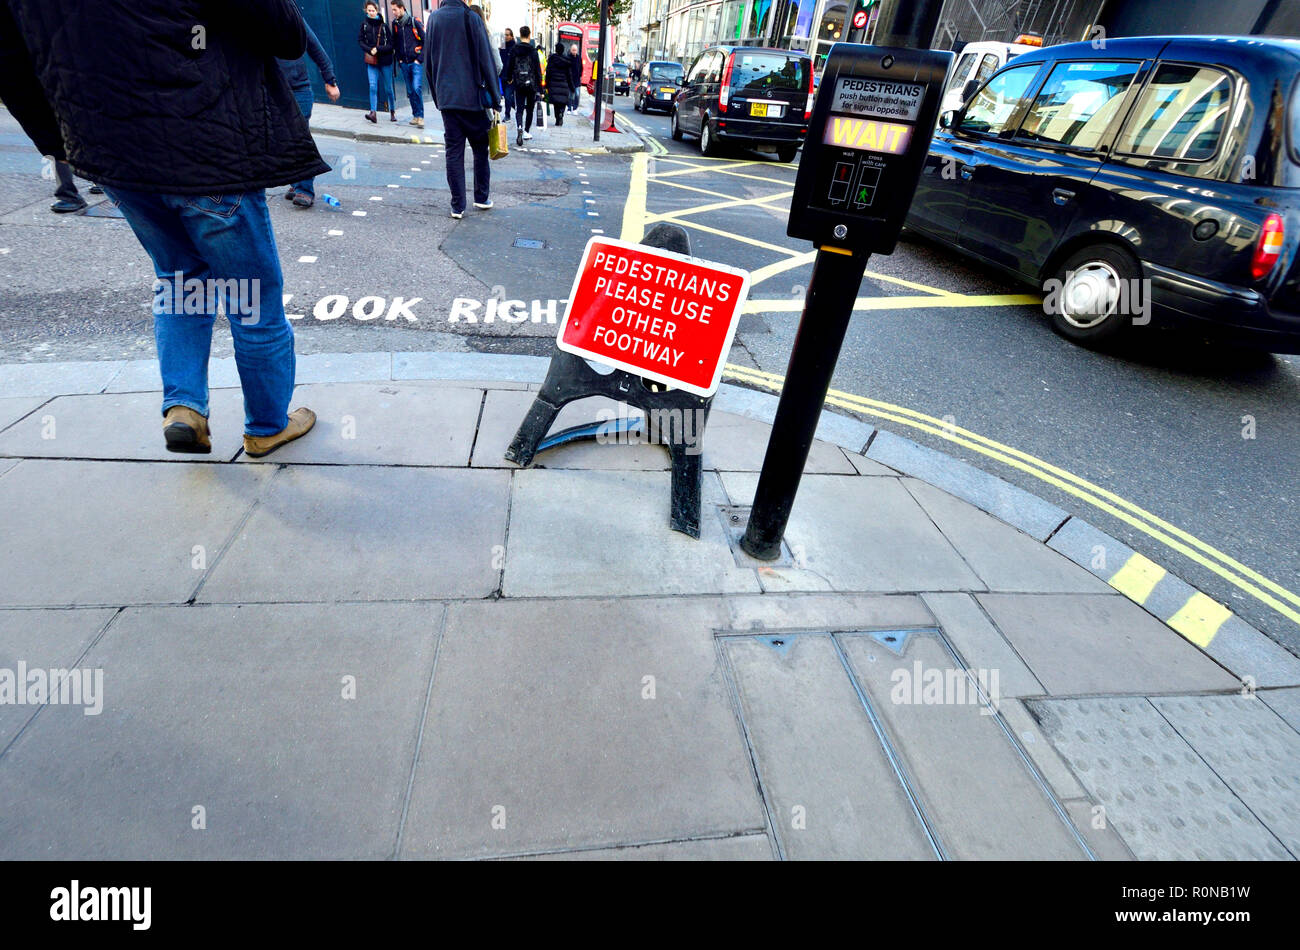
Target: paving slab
(1004,557)
(56,379)
(828,785)
(120,426)
(980,645)
(866,466)
(431,365)
(11,410)
(981,797)
(1158,794)
(733,443)
(1252,750)
(7,464)
(343,367)
(737,848)
(585,533)
(504,410)
(540,722)
(382,424)
(836,518)
(826,612)
(1089,643)
(1284,702)
(45,640)
(89,533)
(1039,748)
(1015,506)
(1090,819)
(240,711)
(329,534)
(145,376)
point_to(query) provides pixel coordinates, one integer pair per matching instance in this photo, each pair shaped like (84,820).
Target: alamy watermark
(1092,294)
(37,686)
(236,297)
(953,686)
(625,425)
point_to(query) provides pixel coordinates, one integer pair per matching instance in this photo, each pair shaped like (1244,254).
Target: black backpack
(523,68)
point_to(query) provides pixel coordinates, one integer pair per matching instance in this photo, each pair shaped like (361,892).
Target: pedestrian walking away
(376,42)
(525,72)
(575,64)
(303,193)
(408,49)
(224,128)
(461,68)
(559,74)
(507,90)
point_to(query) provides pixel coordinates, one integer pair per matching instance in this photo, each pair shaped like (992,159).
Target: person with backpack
(376,41)
(525,76)
(559,73)
(408,48)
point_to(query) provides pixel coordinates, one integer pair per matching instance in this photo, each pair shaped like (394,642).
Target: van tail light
(725,92)
(812,91)
(1269,247)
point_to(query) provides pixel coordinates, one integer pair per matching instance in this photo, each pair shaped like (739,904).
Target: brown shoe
(300,423)
(186,431)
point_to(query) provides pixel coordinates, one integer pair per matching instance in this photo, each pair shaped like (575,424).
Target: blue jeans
(413,74)
(457,126)
(306,186)
(508,96)
(375,74)
(220,238)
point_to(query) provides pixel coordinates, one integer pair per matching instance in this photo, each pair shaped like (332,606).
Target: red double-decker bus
(586,36)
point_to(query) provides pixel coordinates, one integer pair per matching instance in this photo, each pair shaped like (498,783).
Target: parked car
(747,95)
(976,63)
(657,86)
(622,79)
(1168,164)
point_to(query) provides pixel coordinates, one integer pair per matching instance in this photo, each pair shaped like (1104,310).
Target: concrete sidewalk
(574,136)
(385,641)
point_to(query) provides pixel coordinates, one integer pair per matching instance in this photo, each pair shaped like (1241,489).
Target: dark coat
(295,70)
(449,64)
(559,79)
(21,92)
(408,39)
(173,96)
(575,63)
(375,34)
(528,52)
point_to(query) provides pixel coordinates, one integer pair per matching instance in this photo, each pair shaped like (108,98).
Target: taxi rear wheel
(677,129)
(1087,298)
(708,141)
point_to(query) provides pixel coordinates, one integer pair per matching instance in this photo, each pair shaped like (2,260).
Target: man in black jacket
(408,49)
(177,109)
(507,90)
(524,74)
(463,82)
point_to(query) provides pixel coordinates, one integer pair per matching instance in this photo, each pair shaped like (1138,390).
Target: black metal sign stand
(832,293)
(570,378)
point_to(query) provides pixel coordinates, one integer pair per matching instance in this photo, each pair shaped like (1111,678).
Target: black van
(1103,171)
(747,95)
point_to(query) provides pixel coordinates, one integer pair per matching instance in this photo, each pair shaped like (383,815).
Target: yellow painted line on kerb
(1263,589)
(1137,578)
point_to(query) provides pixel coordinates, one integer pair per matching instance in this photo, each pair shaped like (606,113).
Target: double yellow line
(1266,591)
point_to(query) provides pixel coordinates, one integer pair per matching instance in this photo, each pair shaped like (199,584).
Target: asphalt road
(1159,424)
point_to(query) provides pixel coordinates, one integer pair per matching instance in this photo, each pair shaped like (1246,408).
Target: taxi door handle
(1062,196)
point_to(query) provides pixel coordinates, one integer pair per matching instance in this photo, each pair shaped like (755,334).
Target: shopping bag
(540,119)
(498,140)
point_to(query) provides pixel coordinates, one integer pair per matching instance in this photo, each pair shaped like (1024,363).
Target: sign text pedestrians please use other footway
(660,315)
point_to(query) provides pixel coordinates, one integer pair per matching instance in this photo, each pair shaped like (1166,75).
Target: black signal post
(867,140)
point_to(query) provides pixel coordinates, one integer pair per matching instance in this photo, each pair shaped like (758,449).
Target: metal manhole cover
(530,243)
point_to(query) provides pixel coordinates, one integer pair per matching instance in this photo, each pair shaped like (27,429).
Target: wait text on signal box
(664,316)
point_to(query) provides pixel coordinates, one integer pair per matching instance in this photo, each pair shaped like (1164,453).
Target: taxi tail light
(1269,247)
(812,91)
(725,93)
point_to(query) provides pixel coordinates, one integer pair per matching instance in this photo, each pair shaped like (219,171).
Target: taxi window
(992,108)
(1078,103)
(1181,115)
(759,73)
(665,72)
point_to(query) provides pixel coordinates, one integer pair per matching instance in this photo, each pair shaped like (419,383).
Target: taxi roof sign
(661,315)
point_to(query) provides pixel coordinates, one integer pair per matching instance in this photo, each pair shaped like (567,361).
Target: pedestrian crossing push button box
(871,127)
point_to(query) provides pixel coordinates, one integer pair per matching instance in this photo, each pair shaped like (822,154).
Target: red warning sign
(660,315)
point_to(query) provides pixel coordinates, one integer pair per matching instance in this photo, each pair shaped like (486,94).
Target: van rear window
(756,74)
